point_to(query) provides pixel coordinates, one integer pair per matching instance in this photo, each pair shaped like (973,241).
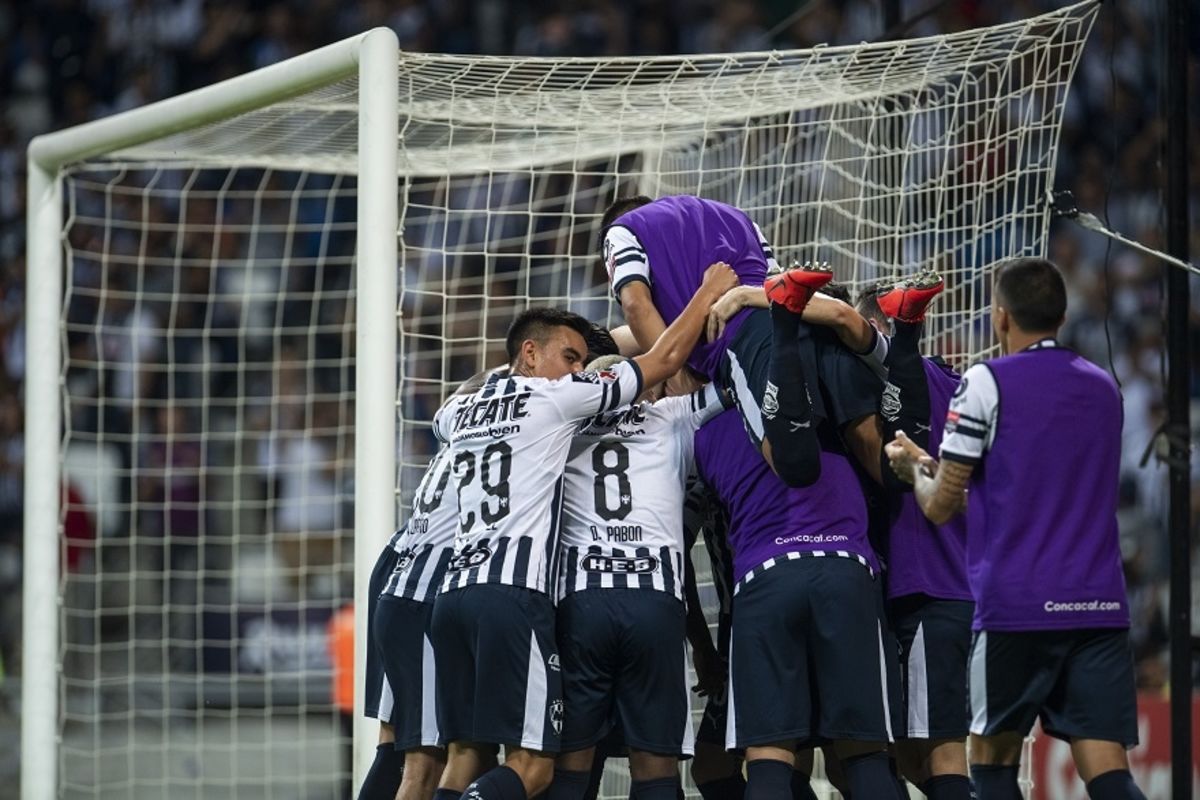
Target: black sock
(569,784)
(1115,785)
(871,776)
(501,783)
(768,779)
(996,782)
(801,786)
(384,776)
(657,789)
(905,404)
(788,422)
(947,787)
(446,794)
(731,787)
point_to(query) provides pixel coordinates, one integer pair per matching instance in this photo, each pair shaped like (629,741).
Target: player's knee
(796,468)
(535,769)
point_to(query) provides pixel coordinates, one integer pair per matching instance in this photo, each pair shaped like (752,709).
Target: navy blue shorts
(1080,682)
(377,692)
(498,674)
(401,635)
(811,661)
(935,642)
(624,658)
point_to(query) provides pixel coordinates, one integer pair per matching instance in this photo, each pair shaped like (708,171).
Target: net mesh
(207,330)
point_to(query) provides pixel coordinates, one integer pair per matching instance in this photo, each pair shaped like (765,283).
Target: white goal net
(206,347)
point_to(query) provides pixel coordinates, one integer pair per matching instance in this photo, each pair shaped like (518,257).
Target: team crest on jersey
(638,565)
(471,556)
(556,716)
(890,403)
(404,561)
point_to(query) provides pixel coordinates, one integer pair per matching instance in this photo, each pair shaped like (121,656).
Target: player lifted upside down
(493,626)
(1036,435)
(655,252)
(621,624)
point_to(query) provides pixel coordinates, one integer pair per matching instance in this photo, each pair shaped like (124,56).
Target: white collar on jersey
(1042,344)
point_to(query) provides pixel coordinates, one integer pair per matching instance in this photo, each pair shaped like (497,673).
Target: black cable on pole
(1174,167)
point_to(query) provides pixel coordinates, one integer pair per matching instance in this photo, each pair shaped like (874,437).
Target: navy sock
(595,776)
(802,787)
(996,782)
(384,776)
(446,794)
(569,785)
(871,776)
(786,409)
(657,789)
(501,783)
(1115,785)
(732,787)
(768,779)
(947,787)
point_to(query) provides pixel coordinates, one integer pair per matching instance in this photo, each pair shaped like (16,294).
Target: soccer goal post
(246,303)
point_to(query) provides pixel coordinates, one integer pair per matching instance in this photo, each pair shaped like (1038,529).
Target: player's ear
(529,353)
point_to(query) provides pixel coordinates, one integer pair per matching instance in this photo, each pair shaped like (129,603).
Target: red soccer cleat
(794,287)
(908,300)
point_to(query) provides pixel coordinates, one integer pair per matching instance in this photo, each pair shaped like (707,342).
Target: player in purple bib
(808,661)
(1036,437)
(655,252)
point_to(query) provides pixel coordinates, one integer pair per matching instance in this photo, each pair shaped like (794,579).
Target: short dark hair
(537,324)
(867,304)
(1033,292)
(619,206)
(838,291)
(600,342)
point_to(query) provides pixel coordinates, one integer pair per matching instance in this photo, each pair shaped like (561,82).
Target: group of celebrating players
(875,601)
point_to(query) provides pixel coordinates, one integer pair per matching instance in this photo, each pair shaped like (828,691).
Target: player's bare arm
(850,326)
(644,321)
(670,351)
(940,488)
(865,444)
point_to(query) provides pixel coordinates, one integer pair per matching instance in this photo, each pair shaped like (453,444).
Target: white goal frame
(374,58)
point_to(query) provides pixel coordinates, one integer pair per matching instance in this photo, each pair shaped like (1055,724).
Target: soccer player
(929,601)
(621,620)
(808,659)
(1036,436)
(493,629)
(655,252)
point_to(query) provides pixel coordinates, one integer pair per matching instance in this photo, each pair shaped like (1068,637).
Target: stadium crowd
(70,61)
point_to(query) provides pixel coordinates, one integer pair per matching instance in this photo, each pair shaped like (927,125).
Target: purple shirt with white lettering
(1043,429)
(682,236)
(766,518)
(924,558)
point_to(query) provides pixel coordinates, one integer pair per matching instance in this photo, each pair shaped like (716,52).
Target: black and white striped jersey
(509,442)
(425,543)
(623,495)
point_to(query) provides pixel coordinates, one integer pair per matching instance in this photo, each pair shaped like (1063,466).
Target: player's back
(425,543)
(681,236)
(923,557)
(766,517)
(623,495)
(509,442)
(1043,548)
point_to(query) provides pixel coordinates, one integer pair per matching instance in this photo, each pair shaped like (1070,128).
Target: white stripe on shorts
(746,400)
(533,731)
(429,728)
(883,684)
(978,684)
(918,687)
(689,732)
(387,701)
(730,708)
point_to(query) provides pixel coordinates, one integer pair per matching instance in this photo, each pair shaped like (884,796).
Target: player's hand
(723,310)
(711,671)
(907,458)
(682,383)
(719,278)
